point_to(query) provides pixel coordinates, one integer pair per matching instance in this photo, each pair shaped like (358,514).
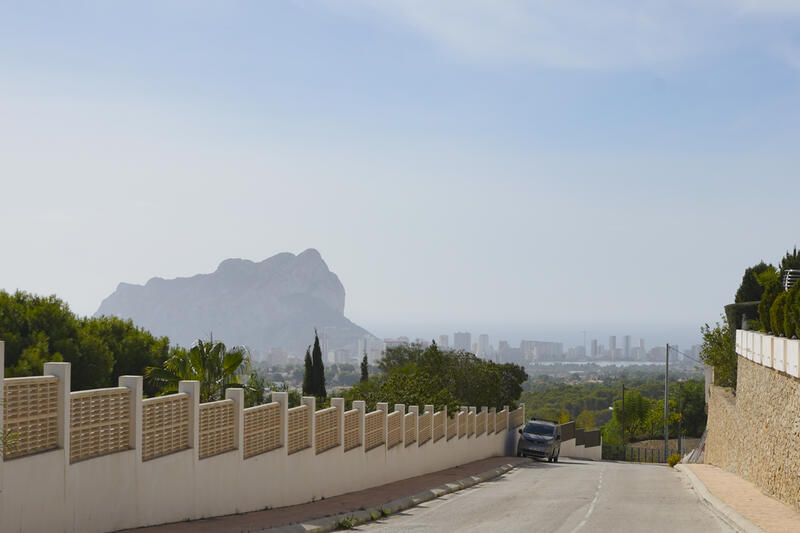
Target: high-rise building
(484,350)
(642,352)
(594,351)
(612,346)
(444,342)
(462,340)
(626,350)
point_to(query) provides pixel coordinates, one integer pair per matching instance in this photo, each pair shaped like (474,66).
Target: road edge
(332,523)
(725,512)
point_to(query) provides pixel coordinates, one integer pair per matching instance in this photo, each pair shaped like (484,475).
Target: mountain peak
(275,303)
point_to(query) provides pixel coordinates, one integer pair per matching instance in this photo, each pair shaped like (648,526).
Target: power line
(672,348)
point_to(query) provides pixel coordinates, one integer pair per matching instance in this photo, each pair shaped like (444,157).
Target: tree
(317,370)
(364,369)
(308,374)
(718,350)
(585,420)
(210,363)
(750,290)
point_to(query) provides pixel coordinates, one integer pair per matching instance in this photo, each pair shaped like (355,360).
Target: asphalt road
(570,496)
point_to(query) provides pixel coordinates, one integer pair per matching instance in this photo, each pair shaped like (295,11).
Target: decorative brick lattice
(462,424)
(452,426)
(438,425)
(471,424)
(165,425)
(262,429)
(395,436)
(490,420)
(326,427)
(373,429)
(99,422)
(31,414)
(352,429)
(411,428)
(500,421)
(480,424)
(515,418)
(216,428)
(425,427)
(299,437)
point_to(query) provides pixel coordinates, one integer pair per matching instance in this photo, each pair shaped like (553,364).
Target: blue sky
(505,167)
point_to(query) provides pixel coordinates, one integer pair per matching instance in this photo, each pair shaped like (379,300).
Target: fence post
(415,409)
(192,388)
(237,395)
(338,403)
(2,396)
(384,406)
(507,415)
(283,399)
(311,402)
(401,408)
(135,384)
(361,406)
(63,372)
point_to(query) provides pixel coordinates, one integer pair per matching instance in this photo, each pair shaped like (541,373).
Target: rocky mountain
(276,303)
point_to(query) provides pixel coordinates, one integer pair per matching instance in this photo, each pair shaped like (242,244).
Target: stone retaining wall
(756,433)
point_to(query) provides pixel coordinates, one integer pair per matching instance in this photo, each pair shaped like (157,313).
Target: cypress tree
(308,374)
(364,369)
(318,370)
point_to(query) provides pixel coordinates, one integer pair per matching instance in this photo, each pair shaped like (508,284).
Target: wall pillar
(237,395)
(383,406)
(135,384)
(338,403)
(311,402)
(401,408)
(361,406)
(63,372)
(415,409)
(282,398)
(192,388)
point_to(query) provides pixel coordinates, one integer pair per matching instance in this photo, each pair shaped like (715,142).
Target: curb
(722,510)
(331,523)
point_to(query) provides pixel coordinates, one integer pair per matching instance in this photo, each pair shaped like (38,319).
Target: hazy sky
(498,166)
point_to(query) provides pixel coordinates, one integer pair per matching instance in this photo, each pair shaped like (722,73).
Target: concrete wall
(756,432)
(44,492)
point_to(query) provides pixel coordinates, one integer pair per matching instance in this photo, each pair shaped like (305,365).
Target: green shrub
(673,459)
(771,291)
(791,314)
(777,314)
(347,522)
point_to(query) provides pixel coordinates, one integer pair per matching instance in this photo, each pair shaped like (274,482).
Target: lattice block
(216,428)
(262,429)
(299,437)
(326,427)
(31,414)
(99,422)
(165,425)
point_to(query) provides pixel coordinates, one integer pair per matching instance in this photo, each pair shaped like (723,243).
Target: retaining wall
(756,432)
(123,462)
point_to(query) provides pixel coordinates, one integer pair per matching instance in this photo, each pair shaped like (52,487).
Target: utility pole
(622,415)
(680,410)
(666,405)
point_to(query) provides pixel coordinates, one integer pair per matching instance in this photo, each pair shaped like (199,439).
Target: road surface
(570,496)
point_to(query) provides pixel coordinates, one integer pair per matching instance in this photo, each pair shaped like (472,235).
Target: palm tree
(210,363)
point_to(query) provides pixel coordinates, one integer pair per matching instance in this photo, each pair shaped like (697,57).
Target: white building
(484,350)
(444,342)
(462,340)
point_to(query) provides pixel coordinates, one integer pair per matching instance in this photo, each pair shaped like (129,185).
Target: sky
(523,169)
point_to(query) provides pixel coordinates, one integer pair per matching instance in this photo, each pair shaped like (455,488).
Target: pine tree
(364,369)
(318,370)
(308,375)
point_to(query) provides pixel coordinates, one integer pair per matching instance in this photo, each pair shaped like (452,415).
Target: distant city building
(548,351)
(528,349)
(612,346)
(444,342)
(422,342)
(462,340)
(594,351)
(626,347)
(657,353)
(484,350)
(642,351)
(394,343)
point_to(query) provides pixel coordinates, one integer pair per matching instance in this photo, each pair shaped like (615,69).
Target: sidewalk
(739,502)
(353,502)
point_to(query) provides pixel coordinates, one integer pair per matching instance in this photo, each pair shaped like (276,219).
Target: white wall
(778,353)
(43,492)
